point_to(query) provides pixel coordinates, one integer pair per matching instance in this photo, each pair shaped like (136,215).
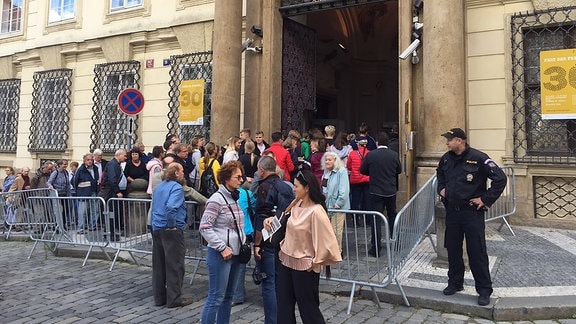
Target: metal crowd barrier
(410,227)
(13,208)
(505,206)
(128,219)
(67,220)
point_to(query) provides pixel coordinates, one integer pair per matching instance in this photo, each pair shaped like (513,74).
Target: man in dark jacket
(272,197)
(383,167)
(462,177)
(85,181)
(110,187)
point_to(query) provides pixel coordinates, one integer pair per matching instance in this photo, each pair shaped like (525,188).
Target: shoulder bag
(245,250)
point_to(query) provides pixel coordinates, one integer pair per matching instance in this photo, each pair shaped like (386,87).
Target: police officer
(462,174)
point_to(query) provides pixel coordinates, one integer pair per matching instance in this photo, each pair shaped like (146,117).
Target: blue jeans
(88,212)
(268,265)
(222,277)
(240,291)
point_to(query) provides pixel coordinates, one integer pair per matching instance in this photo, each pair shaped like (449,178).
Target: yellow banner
(191,102)
(558,84)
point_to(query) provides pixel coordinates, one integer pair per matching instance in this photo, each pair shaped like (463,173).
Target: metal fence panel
(13,208)
(56,220)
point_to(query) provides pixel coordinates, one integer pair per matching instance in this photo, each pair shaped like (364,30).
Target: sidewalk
(534,275)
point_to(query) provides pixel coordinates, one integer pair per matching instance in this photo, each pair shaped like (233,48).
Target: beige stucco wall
(489,88)
(152,32)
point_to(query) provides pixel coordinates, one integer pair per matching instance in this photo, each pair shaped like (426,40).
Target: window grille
(9,105)
(536,140)
(50,111)
(111,128)
(189,67)
(11,20)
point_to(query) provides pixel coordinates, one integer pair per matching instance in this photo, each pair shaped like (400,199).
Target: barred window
(11,20)
(61,10)
(50,110)
(111,128)
(124,4)
(9,105)
(189,67)
(535,139)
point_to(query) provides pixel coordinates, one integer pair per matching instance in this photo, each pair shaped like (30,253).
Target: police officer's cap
(455,132)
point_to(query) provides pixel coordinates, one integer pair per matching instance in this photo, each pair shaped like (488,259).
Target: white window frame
(11,17)
(116,5)
(61,10)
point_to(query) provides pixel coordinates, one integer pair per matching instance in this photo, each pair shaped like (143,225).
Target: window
(189,67)
(61,10)
(11,16)
(111,128)
(537,140)
(124,4)
(50,110)
(9,105)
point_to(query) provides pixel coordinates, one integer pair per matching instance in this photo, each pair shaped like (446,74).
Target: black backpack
(208,184)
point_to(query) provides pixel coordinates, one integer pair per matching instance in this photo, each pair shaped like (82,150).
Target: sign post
(131,103)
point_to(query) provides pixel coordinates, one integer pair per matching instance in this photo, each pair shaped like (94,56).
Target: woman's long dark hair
(307,178)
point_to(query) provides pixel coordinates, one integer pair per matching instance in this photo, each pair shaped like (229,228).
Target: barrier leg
(406,302)
(351,299)
(114,261)
(505,222)
(87,255)
(195,271)
(134,258)
(32,251)
(376,299)
(105,253)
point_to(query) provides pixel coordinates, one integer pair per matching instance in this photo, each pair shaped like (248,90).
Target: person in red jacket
(283,158)
(359,183)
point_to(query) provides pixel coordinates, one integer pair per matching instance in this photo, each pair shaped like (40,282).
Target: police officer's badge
(469,177)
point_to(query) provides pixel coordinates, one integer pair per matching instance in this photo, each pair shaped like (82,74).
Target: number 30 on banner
(559,78)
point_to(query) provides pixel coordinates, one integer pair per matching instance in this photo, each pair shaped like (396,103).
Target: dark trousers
(469,224)
(298,287)
(168,251)
(360,196)
(387,206)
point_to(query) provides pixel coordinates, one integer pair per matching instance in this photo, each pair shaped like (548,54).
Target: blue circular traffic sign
(131,101)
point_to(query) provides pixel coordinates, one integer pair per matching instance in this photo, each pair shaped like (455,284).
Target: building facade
(294,64)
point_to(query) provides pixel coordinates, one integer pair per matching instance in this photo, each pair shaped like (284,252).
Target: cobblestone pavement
(50,289)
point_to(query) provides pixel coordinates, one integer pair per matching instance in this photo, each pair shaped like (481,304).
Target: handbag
(245,250)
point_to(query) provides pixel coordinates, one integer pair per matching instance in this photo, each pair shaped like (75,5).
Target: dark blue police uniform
(465,177)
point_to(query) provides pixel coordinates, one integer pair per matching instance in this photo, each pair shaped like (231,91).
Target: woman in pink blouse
(309,244)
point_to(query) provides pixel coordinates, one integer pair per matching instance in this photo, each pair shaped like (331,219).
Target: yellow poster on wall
(191,102)
(558,84)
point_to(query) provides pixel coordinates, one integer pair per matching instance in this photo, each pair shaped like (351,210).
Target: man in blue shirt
(168,249)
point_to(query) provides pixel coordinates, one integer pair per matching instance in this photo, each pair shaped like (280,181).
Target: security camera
(247,43)
(411,48)
(256,30)
(255,49)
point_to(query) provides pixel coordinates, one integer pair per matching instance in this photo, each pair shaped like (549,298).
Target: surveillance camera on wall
(247,43)
(256,30)
(411,48)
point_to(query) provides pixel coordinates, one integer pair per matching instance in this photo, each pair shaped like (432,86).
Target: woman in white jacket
(336,188)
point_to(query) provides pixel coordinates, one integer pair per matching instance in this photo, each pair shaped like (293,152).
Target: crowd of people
(246,185)
(243,186)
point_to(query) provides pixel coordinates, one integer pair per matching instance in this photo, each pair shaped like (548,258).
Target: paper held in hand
(275,226)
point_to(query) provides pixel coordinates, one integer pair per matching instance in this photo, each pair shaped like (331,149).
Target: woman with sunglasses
(309,244)
(222,226)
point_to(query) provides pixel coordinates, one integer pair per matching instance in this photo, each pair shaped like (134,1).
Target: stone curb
(500,309)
